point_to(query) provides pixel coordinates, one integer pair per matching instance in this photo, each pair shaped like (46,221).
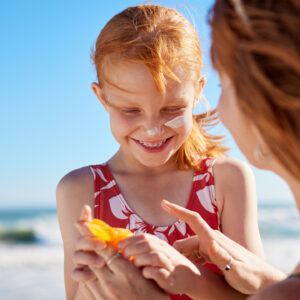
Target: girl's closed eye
(174,109)
(130,111)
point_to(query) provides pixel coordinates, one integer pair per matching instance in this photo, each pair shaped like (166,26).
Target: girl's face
(138,112)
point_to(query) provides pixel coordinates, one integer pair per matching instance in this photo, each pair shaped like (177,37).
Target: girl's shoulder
(230,170)
(233,179)
(74,190)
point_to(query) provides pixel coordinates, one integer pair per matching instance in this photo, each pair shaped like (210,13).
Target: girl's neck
(123,163)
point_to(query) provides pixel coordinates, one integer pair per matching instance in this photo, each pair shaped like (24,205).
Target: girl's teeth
(152,146)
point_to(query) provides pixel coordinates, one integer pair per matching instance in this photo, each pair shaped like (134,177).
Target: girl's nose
(154,127)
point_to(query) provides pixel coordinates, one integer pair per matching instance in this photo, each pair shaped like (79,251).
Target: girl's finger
(85,291)
(85,214)
(83,228)
(88,258)
(187,246)
(90,244)
(82,274)
(155,259)
(159,275)
(97,289)
(135,249)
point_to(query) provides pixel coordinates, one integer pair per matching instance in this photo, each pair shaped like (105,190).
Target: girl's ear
(99,94)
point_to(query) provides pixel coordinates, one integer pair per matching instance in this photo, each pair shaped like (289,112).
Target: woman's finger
(195,221)
(220,257)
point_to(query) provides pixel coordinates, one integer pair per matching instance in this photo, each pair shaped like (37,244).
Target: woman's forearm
(211,286)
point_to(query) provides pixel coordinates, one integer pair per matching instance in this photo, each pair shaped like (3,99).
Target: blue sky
(50,121)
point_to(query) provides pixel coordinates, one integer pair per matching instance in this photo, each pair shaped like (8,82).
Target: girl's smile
(153,146)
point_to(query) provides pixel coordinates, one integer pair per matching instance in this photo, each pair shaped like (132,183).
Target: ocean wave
(17,236)
(36,228)
(279,220)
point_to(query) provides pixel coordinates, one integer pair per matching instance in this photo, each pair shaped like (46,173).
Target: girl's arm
(73,191)
(237,204)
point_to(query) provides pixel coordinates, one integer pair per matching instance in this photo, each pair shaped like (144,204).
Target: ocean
(31,253)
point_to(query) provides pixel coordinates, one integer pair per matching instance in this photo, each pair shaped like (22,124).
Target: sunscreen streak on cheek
(176,122)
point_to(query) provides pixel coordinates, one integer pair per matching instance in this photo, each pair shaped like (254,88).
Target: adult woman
(255,48)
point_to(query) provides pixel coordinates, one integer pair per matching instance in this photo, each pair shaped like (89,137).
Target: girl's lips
(153,149)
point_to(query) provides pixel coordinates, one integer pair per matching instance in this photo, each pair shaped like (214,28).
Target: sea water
(31,252)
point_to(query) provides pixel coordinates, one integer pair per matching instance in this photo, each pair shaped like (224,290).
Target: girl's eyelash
(173,109)
(130,110)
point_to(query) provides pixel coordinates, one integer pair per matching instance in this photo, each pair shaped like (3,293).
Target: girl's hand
(103,274)
(161,262)
(247,272)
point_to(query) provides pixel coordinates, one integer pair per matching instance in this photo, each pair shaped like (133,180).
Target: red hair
(159,38)
(257,44)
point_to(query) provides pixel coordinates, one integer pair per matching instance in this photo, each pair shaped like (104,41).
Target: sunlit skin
(136,107)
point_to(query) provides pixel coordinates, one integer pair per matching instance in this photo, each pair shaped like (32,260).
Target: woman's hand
(247,273)
(103,273)
(161,262)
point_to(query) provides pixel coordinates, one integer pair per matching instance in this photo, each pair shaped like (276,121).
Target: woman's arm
(248,272)
(288,289)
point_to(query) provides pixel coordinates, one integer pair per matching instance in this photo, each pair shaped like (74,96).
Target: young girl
(148,63)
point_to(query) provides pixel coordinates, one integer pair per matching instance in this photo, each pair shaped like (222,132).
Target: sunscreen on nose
(176,122)
(152,131)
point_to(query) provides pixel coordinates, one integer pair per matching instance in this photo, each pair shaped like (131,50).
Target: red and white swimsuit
(111,207)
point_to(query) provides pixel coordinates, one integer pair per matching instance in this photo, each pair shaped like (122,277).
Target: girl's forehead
(134,79)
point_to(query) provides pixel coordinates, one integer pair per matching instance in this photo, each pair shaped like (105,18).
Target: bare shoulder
(75,180)
(231,172)
(73,191)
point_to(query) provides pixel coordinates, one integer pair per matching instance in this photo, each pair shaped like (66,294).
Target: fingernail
(122,244)
(165,204)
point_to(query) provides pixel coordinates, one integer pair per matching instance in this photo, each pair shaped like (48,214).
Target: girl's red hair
(159,38)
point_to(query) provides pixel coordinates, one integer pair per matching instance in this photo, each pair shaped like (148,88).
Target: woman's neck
(294,185)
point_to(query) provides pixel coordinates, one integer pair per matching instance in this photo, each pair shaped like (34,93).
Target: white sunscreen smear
(152,131)
(176,122)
